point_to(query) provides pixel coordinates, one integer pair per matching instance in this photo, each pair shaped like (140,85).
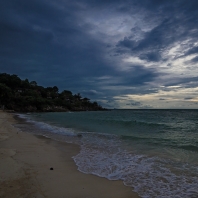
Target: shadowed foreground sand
(25,162)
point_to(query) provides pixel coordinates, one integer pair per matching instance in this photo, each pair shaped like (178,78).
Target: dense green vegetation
(24,96)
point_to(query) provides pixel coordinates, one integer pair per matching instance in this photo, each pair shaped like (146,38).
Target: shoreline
(26,160)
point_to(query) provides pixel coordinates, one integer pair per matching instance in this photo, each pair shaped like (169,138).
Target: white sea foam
(149,176)
(48,127)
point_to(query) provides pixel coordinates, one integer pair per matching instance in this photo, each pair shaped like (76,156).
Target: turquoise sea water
(153,151)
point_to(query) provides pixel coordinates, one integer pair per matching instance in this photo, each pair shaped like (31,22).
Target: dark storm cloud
(91,93)
(134,103)
(127,43)
(175,26)
(188,98)
(158,39)
(153,56)
(57,52)
(183,81)
(195,60)
(63,43)
(193,50)
(134,76)
(39,38)
(139,75)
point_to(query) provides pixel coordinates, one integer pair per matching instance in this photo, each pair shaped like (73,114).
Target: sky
(133,54)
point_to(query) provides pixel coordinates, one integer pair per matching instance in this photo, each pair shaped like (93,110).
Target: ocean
(153,151)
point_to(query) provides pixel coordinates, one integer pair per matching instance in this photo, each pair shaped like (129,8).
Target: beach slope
(35,166)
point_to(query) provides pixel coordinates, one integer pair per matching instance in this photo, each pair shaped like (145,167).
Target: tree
(55,89)
(22,95)
(77,96)
(12,81)
(5,94)
(25,84)
(66,95)
(33,83)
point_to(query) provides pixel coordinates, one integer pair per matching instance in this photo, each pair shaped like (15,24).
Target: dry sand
(25,162)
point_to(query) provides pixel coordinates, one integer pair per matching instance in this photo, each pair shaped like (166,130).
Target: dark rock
(51,168)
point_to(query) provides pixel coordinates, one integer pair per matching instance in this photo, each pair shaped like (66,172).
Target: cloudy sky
(121,53)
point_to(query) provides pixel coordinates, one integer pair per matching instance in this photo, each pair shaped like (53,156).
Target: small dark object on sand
(51,168)
(79,135)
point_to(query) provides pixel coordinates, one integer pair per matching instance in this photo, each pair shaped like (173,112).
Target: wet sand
(26,160)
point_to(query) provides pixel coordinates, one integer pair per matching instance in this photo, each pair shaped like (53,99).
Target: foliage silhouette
(24,96)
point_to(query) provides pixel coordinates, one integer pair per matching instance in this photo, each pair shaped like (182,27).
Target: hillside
(24,96)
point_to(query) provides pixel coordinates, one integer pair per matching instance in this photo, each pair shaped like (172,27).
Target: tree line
(24,96)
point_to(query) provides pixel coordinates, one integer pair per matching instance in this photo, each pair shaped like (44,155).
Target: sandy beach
(26,160)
